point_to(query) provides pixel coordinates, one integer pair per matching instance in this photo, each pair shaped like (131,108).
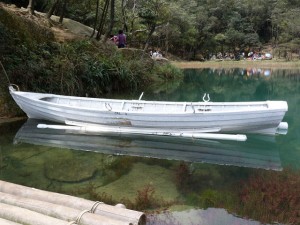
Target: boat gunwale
(38,97)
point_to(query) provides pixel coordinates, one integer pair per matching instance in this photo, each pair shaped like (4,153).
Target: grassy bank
(262,64)
(37,61)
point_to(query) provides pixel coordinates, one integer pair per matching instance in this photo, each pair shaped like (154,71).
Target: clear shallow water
(199,181)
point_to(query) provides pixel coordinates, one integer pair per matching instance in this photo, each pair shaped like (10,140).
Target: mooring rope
(5,72)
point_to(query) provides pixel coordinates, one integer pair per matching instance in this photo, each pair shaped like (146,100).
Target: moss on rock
(69,170)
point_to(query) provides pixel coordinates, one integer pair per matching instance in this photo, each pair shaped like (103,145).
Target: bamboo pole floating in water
(25,216)
(125,215)
(7,222)
(57,211)
(191,134)
(205,133)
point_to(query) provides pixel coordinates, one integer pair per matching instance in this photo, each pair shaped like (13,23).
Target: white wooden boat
(232,117)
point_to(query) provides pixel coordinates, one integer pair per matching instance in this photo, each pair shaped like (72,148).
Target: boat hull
(258,117)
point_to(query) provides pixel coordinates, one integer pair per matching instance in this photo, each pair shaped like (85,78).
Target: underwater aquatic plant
(272,196)
(183,177)
(145,197)
(146,200)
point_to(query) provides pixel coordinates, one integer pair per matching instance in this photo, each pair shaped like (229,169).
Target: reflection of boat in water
(257,152)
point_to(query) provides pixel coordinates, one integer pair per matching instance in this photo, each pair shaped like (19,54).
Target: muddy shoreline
(5,120)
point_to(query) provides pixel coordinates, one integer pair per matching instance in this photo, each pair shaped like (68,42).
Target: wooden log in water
(25,216)
(118,213)
(57,211)
(7,222)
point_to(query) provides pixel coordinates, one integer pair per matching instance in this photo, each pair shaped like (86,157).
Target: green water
(198,181)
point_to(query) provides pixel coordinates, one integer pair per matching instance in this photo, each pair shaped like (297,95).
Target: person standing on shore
(121,39)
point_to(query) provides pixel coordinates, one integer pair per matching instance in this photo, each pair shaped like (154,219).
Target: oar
(94,128)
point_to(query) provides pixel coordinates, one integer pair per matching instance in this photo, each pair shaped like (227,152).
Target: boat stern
(280,105)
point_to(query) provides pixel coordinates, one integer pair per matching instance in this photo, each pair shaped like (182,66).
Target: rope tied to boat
(5,72)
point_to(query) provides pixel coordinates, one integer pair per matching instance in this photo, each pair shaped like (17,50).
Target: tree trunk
(50,12)
(96,19)
(125,27)
(112,20)
(63,10)
(30,7)
(167,39)
(102,20)
(149,37)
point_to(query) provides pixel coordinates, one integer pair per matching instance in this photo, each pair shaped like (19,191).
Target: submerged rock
(141,175)
(69,170)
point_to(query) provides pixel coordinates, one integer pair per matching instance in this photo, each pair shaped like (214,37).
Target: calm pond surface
(187,181)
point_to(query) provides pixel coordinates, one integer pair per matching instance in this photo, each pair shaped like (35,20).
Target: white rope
(94,207)
(5,72)
(71,223)
(80,216)
(92,210)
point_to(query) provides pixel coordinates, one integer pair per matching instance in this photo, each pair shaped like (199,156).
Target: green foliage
(245,24)
(167,71)
(188,28)
(79,67)
(70,68)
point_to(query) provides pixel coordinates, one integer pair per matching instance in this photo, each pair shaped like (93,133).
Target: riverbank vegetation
(36,61)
